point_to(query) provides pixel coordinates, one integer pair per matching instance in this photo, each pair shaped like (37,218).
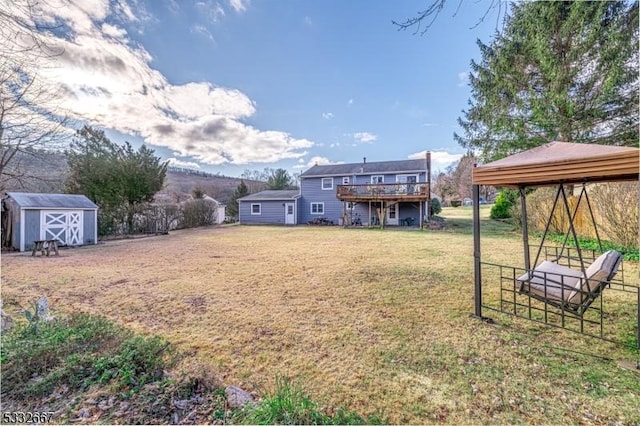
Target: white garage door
(64,226)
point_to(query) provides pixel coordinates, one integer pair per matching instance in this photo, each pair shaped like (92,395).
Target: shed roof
(366,168)
(29,200)
(558,162)
(272,194)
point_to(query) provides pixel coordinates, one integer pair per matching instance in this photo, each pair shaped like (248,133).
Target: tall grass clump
(290,405)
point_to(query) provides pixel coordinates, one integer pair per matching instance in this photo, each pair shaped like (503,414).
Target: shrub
(434,207)
(198,213)
(139,361)
(505,200)
(616,205)
(60,351)
(77,352)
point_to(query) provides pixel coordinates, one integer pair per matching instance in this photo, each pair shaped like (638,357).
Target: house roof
(51,201)
(208,198)
(558,162)
(402,166)
(272,194)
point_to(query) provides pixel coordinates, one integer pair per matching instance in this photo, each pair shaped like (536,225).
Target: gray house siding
(410,210)
(312,192)
(271,212)
(89,227)
(388,178)
(31,228)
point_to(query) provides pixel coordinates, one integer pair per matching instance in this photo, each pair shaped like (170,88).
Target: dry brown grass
(373,321)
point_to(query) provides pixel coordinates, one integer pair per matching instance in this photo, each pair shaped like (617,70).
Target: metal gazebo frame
(554,164)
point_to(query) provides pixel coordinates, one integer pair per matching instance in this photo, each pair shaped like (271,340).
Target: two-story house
(367,193)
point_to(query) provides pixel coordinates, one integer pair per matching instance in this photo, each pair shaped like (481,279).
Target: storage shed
(71,219)
(269,207)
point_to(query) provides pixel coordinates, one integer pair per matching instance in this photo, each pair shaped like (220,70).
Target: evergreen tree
(279,179)
(118,179)
(232,207)
(559,70)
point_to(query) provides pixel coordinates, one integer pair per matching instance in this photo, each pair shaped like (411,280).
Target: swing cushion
(604,267)
(564,284)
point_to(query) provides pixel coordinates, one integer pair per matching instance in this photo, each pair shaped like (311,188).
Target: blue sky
(229,85)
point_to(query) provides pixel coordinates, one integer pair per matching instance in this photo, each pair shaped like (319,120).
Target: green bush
(434,207)
(505,200)
(139,361)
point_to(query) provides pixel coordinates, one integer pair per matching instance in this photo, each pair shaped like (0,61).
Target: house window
(317,208)
(256,208)
(345,180)
(377,179)
(327,183)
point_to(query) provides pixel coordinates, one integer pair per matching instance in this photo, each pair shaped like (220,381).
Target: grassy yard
(372,321)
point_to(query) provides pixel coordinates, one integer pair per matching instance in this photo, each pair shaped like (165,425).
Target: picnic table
(45,246)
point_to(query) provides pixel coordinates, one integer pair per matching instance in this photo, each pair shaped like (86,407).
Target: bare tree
(29,117)
(424,19)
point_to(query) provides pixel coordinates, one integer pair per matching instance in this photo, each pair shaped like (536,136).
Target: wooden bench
(44,246)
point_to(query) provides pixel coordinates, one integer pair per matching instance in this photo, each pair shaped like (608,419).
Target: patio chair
(566,288)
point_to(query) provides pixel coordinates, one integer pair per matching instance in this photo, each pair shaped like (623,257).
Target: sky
(230,85)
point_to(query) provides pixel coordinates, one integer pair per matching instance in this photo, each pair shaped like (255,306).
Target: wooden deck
(400,192)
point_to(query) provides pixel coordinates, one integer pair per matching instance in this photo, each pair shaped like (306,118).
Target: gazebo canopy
(561,162)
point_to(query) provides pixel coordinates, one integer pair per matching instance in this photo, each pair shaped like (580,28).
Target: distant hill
(37,171)
(181,183)
(46,171)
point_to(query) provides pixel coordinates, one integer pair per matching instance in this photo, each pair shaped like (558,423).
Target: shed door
(64,226)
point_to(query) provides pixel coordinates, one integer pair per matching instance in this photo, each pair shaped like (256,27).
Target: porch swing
(561,286)
(564,281)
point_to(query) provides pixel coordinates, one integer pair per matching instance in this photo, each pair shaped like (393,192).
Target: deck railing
(384,190)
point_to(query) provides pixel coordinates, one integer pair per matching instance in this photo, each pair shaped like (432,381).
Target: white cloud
(429,124)
(202,30)
(308,21)
(213,9)
(108,81)
(365,137)
(350,101)
(327,115)
(122,8)
(113,31)
(187,164)
(463,78)
(316,160)
(439,159)
(239,5)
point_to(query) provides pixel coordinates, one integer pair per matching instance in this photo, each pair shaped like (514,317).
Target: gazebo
(558,164)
